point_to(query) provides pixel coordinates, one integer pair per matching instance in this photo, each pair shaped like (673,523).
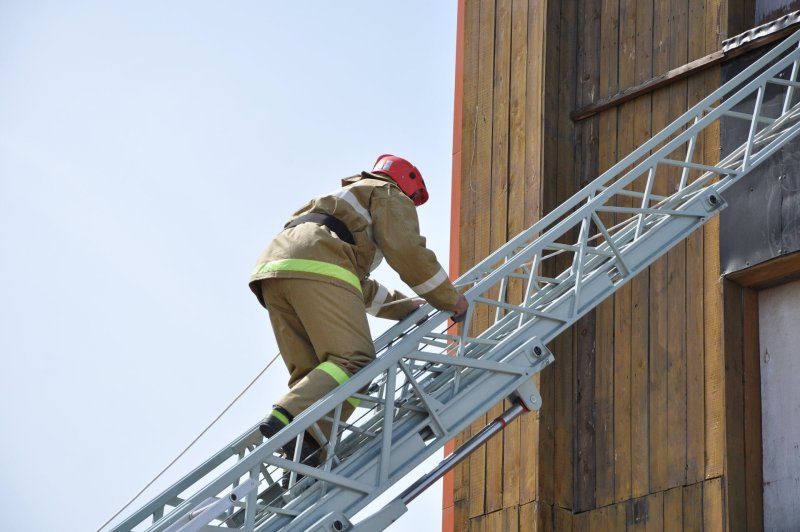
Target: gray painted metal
(429,383)
(763,218)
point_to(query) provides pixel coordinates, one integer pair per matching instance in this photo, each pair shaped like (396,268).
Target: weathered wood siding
(635,430)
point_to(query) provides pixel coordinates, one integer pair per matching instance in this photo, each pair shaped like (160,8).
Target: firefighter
(313,278)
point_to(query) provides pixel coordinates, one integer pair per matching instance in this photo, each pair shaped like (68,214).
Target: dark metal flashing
(761,32)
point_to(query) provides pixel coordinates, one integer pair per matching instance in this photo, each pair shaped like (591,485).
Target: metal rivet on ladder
(537,351)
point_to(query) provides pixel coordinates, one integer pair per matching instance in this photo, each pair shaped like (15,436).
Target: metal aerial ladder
(429,383)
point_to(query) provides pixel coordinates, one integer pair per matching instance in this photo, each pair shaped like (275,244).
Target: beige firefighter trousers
(323,336)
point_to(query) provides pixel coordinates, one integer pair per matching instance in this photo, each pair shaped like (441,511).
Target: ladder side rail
(579,307)
(596,289)
(171,494)
(354,469)
(502,369)
(560,327)
(410,451)
(689,225)
(792,81)
(265,452)
(555,225)
(586,202)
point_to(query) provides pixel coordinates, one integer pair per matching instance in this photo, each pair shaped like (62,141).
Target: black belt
(331,222)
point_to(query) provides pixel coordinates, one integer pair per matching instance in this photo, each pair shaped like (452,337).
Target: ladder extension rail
(428,384)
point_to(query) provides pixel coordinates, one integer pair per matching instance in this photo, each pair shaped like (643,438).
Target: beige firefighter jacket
(383,222)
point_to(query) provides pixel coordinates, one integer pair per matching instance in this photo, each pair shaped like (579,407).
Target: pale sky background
(148,151)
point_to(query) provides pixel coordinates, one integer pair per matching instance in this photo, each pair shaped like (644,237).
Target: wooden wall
(633,430)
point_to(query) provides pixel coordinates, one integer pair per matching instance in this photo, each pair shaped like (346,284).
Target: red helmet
(405,174)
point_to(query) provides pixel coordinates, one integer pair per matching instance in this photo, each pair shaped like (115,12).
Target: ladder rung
(638,195)
(785,82)
(749,117)
(697,166)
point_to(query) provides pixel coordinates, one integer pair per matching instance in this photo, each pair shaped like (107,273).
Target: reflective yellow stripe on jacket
(310,266)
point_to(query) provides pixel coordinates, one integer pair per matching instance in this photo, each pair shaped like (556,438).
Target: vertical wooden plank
(564,185)
(598,141)
(545,517)
(657,375)
(537,61)
(586,170)
(693,507)
(752,413)
(620,517)
(627,54)
(716,24)
(512,449)
(741,15)
(482,185)
(712,302)
(510,519)
(603,519)
(528,517)
(697,31)
(713,509)
(673,510)
(454,478)
(584,418)
(642,125)
(655,512)
(563,422)
(562,520)
(605,313)
(533,452)
(581,521)
(585,166)
(623,408)
(469,124)
(478,524)
(494,522)
(676,272)
(658,274)
(604,368)
(469,121)
(716,30)
(695,412)
(604,405)
(499,215)
(609,47)
(714,362)
(461,515)
(635,520)
(734,407)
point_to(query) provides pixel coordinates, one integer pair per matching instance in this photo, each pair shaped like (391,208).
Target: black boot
(309,452)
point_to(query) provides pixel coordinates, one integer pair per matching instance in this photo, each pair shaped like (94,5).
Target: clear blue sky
(148,151)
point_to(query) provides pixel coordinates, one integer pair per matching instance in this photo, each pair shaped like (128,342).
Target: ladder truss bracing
(429,381)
